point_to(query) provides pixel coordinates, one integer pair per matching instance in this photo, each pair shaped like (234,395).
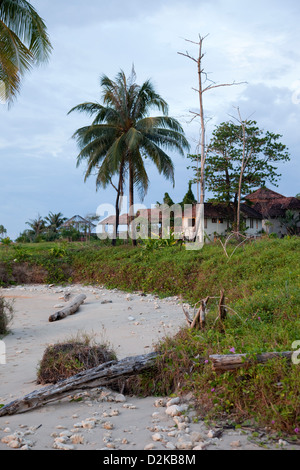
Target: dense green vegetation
(261,283)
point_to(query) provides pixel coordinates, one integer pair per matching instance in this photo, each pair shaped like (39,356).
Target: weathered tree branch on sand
(198,321)
(69,309)
(234,361)
(90,378)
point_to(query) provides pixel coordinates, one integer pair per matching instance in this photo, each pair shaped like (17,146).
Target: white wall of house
(214,227)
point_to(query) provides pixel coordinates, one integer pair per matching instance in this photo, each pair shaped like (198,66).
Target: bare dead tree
(202,79)
(246,157)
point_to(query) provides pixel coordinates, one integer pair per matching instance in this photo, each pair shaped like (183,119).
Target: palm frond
(24,42)
(24,21)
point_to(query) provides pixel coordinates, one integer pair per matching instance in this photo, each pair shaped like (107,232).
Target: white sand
(131,324)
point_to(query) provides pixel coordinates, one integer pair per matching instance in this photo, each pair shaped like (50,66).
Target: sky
(256,43)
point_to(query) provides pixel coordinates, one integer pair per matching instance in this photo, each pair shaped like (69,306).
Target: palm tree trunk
(131,202)
(117,205)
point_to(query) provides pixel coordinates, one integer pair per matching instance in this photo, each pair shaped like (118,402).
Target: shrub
(66,359)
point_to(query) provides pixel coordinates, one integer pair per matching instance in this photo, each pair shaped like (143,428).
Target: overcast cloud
(255,42)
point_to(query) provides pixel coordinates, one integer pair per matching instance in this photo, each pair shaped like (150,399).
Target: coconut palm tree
(24,43)
(123,134)
(55,221)
(37,227)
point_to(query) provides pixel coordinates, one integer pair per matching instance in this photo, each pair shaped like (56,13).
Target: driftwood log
(90,378)
(108,372)
(234,361)
(69,309)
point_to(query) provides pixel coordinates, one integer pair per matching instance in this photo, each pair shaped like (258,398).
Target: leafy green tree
(233,158)
(291,222)
(123,134)
(24,43)
(189,197)
(2,230)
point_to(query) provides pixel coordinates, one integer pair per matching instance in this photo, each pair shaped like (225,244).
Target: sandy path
(131,324)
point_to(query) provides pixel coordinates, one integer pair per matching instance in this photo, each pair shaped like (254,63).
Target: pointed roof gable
(272,204)
(263,195)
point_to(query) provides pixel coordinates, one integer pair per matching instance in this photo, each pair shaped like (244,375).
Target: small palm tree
(123,134)
(55,221)
(37,226)
(24,43)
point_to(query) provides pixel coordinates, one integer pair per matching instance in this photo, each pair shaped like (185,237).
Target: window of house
(205,223)
(214,221)
(256,224)
(251,223)
(220,221)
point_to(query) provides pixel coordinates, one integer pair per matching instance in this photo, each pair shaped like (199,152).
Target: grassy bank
(261,283)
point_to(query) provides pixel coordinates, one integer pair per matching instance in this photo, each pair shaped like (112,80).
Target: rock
(174,410)
(170,446)
(215,433)
(88,424)
(235,443)
(8,439)
(173,401)
(77,439)
(149,447)
(184,445)
(66,434)
(281,442)
(157,437)
(196,436)
(202,445)
(61,446)
(160,402)
(110,445)
(181,426)
(120,398)
(107,425)
(15,444)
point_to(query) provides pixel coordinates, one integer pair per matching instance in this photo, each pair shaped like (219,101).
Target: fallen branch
(69,309)
(90,378)
(234,361)
(199,318)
